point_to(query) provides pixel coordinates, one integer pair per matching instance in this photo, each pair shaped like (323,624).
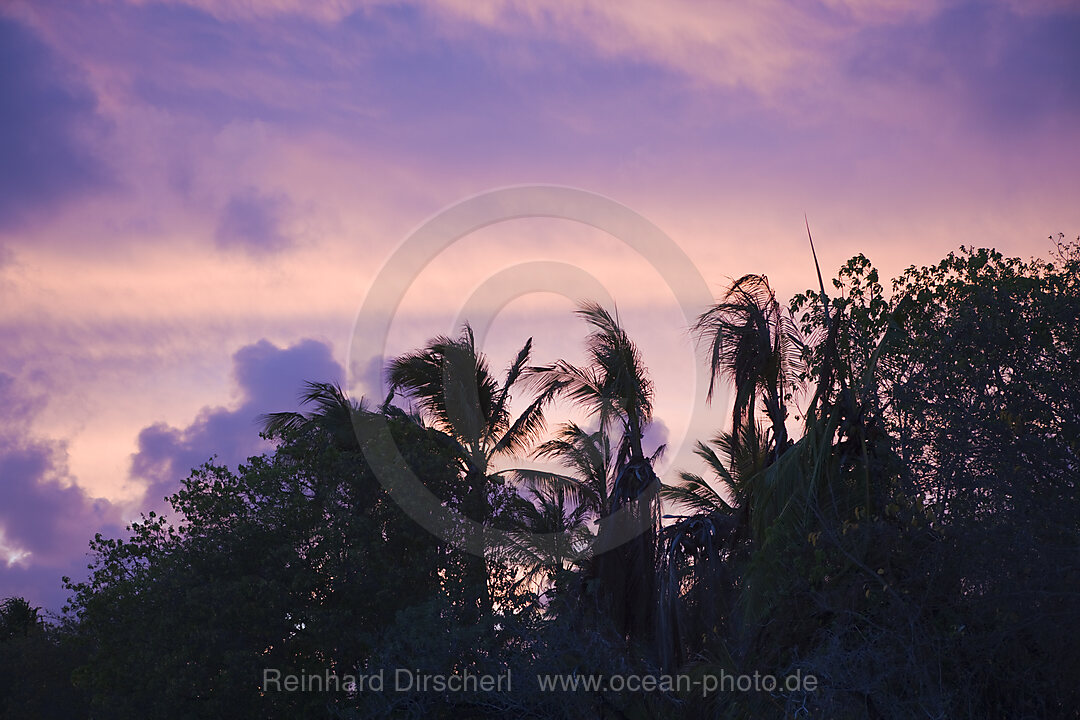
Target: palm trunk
(635,432)
(477,508)
(774,404)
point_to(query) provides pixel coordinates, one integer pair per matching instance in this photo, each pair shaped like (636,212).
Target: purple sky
(195,196)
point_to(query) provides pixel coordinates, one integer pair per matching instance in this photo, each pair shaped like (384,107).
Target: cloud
(322,10)
(47,120)
(45,518)
(252,221)
(42,585)
(504,75)
(757,45)
(1004,67)
(268,378)
(44,513)
(271,378)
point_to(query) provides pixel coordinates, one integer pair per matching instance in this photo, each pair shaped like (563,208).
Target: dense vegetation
(915,546)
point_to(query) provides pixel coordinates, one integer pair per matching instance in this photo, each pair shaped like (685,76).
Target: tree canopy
(914,547)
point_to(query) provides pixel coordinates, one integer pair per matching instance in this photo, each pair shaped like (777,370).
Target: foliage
(37,659)
(297,560)
(914,546)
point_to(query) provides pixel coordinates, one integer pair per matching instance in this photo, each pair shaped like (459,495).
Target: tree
(964,426)
(18,618)
(752,341)
(37,658)
(916,548)
(547,537)
(615,387)
(986,414)
(297,561)
(451,382)
(592,460)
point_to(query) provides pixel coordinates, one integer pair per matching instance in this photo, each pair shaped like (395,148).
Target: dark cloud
(269,380)
(251,221)
(42,585)
(45,121)
(42,511)
(1009,70)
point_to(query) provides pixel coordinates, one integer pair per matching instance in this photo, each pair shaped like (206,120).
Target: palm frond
(513,374)
(450,381)
(525,430)
(692,493)
(278,424)
(333,412)
(574,490)
(614,385)
(582,386)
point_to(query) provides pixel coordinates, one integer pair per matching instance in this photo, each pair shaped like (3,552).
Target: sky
(197,198)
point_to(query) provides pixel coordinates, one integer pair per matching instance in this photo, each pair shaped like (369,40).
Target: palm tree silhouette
(753,343)
(452,385)
(591,459)
(547,536)
(616,389)
(572,500)
(614,386)
(333,413)
(756,345)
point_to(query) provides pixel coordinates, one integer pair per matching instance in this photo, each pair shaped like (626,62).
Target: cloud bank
(46,519)
(268,379)
(48,121)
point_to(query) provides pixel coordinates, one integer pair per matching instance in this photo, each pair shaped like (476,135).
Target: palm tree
(452,384)
(772,492)
(615,387)
(695,573)
(334,413)
(575,498)
(548,535)
(590,459)
(733,461)
(755,344)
